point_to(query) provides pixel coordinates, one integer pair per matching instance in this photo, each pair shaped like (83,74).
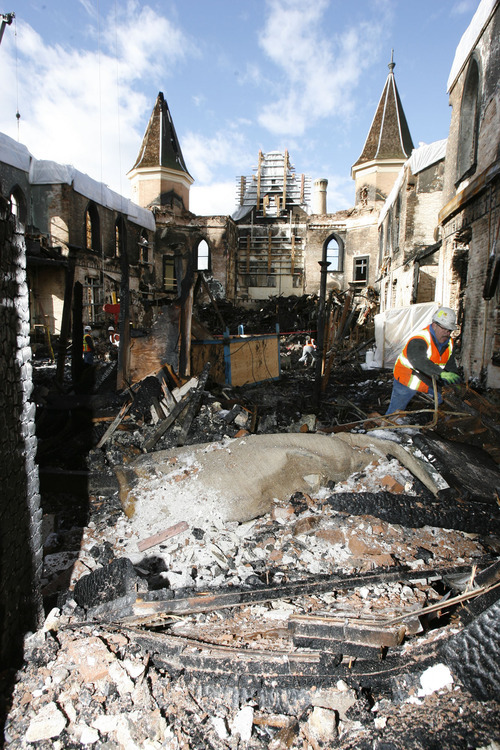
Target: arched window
(18,204)
(381,244)
(469,123)
(333,254)
(203,256)
(395,224)
(143,247)
(92,232)
(120,237)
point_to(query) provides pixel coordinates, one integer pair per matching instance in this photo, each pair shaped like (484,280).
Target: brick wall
(20,512)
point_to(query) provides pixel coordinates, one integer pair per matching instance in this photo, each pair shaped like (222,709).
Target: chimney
(319,198)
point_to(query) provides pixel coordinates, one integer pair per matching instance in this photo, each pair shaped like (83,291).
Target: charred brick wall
(470,218)
(20,511)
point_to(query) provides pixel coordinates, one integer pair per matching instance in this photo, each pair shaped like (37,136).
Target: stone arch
(333,251)
(469,121)
(92,232)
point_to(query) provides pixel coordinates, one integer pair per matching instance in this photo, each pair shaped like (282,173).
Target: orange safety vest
(87,345)
(407,375)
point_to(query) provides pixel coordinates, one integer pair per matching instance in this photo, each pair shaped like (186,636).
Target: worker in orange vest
(427,354)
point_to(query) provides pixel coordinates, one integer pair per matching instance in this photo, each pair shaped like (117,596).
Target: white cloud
(464,6)
(204,155)
(217,199)
(84,106)
(340,193)
(319,70)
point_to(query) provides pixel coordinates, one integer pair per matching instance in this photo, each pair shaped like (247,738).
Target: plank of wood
(166,423)
(374,632)
(152,541)
(194,404)
(113,426)
(140,611)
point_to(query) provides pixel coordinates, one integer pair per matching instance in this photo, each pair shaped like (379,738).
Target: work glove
(450,377)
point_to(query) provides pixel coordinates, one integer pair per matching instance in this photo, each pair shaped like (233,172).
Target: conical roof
(160,145)
(389,136)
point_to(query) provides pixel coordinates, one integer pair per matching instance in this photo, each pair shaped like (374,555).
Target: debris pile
(231,567)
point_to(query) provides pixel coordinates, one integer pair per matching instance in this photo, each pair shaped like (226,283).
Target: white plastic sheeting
(421,158)
(470,38)
(394,327)
(14,153)
(45,172)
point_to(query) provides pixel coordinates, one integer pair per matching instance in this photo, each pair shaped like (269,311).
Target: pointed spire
(389,136)
(160,145)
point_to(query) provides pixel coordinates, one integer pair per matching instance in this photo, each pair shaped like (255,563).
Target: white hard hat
(87,328)
(446,318)
(110,328)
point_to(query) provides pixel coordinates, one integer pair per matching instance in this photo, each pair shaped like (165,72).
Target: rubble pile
(244,568)
(232,652)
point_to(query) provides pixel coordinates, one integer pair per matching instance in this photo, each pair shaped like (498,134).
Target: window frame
(355,260)
(340,254)
(201,244)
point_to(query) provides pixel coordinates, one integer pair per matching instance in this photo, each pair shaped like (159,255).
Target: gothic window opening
(144,248)
(17,204)
(203,256)
(120,235)
(92,231)
(469,123)
(333,255)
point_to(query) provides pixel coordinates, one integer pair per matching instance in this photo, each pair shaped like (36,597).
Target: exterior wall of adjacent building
(407,273)
(471,214)
(55,221)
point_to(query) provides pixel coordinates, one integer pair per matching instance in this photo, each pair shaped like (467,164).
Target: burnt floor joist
(157,607)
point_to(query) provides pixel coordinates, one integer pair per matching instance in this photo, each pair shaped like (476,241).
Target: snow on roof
(470,38)
(421,158)
(45,172)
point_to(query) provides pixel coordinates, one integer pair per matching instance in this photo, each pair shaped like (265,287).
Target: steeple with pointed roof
(387,146)
(160,169)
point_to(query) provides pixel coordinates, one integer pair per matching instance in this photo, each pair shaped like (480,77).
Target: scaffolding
(275,188)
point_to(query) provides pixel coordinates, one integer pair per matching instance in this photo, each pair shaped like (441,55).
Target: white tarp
(394,327)
(421,158)
(13,153)
(470,38)
(46,172)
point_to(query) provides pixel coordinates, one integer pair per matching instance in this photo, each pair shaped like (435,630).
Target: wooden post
(66,315)
(123,368)
(77,343)
(269,251)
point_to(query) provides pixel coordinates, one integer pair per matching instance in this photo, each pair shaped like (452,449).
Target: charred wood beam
(194,405)
(66,315)
(149,609)
(77,342)
(168,422)
(417,511)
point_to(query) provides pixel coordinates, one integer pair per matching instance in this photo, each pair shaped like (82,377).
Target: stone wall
(470,218)
(20,511)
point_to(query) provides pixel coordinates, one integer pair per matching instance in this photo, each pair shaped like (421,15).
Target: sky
(239,76)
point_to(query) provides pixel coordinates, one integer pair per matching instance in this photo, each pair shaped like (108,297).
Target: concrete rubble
(279,582)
